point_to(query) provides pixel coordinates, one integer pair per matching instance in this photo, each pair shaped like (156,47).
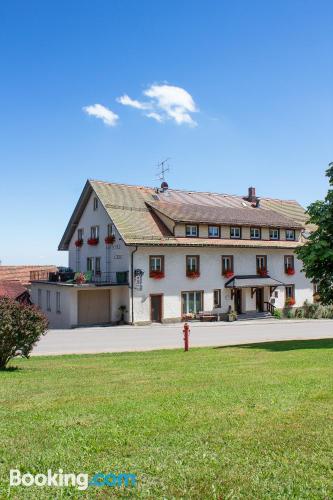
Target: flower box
(193,274)
(80,279)
(262,272)
(79,243)
(109,240)
(156,275)
(93,241)
(290,271)
(290,301)
(228,274)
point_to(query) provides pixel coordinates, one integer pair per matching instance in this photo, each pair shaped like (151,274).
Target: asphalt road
(129,338)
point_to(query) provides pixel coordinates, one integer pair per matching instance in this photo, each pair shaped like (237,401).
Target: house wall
(211,278)
(118,257)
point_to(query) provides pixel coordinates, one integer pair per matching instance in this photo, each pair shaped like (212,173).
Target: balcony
(69,277)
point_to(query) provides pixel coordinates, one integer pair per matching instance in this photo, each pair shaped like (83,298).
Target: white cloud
(167,102)
(109,117)
(127,101)
(176,102)
(155,116)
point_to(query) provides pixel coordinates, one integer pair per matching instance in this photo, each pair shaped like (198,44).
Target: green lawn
(242,422)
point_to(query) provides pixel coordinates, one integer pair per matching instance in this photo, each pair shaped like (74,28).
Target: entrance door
(259,299)
(238,301)
(156,308)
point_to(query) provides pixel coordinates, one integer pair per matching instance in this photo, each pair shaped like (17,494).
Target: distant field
(251,422)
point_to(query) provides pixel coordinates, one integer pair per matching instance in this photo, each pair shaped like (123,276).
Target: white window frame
(58,303)
(80,233)
(48,300)
(191,230)
(255,233)
(292,231)
(274,234)
(94,232)
(186,295)
(155,262)
(233,230)
(217,232)
(111,230)
(192,263)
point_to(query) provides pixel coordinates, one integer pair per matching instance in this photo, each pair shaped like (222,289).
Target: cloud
(127,101)
(167,102)
(109,117)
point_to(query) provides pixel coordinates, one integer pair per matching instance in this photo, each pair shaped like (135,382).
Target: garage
(94,307)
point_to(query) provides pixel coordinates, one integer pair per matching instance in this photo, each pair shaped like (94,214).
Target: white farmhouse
(167,254)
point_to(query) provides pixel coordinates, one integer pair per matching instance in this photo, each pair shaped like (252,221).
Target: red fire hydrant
(186,332)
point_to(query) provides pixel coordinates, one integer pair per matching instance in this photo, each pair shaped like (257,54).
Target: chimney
(164,186)
(251,197)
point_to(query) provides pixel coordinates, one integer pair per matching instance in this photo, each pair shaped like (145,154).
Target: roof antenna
(163,167)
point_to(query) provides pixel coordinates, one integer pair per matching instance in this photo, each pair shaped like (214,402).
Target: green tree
(21,326)
(317,252)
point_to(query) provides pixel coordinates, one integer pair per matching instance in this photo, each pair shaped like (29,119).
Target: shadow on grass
(286,345)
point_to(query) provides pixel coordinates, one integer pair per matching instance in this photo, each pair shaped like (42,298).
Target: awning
(252,281)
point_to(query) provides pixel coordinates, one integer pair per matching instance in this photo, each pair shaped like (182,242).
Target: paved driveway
(127,338)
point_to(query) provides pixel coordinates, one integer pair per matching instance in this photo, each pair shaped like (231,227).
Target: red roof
(22,273)
(11,289)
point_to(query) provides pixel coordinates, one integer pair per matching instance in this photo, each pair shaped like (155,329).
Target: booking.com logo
(60,479)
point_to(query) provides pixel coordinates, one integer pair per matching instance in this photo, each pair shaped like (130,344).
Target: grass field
(250,422)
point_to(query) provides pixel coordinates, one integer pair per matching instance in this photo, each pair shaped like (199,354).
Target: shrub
(277,314)
(21,326)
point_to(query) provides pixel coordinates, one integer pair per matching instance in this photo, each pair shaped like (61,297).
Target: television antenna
(163,167)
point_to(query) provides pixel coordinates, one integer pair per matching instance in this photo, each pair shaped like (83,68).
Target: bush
(277,314)
(21,326)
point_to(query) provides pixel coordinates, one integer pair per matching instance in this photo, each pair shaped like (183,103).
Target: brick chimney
(251,197)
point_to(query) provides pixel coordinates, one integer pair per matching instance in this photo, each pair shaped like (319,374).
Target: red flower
(290,301)
(228,274)
(93,241)
(157,275)
(79,243)
(263,272)
(290,271)
(109,240)
(193,274)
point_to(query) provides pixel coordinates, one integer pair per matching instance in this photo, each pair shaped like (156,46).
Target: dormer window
(213,231)
(95,203)
(235,232)
(255,233)
(192,230)
(290,234)
(274,234)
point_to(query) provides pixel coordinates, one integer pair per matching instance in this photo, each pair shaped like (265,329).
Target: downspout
(132,283)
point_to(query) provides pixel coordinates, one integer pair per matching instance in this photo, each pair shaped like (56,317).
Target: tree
(21,326)
(317,252)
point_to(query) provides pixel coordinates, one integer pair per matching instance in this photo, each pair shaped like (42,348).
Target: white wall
(211,278)
(68,304)
(119,255)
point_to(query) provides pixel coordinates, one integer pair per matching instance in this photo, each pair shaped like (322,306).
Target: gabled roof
(11,289)
(134,211)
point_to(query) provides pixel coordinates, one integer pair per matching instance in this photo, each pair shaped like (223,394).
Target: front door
(156,308)
(259,299)
(238,301)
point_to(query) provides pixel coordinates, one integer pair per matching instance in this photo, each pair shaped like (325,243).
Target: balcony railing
(86,278)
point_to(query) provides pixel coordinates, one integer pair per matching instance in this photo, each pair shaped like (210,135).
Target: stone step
(254,315)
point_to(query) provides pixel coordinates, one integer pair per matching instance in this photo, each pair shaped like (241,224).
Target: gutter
(132,284)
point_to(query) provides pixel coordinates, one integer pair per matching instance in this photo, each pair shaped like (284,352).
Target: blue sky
(259,75)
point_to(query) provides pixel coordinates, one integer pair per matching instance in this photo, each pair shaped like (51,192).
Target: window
(191,230)
(94,232)
(39,298)
(111,231)
(192,264)
(192,302)
(80,234)
(58,302)
(217,298)
(48,300)
(95,203)
(290,294)
(255,233)
(289,267)
(213,231)
(261,263)
(156,263)
(227,264)
(274,234)
(97,266)
(290,234)
(235,232)
(90,264)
